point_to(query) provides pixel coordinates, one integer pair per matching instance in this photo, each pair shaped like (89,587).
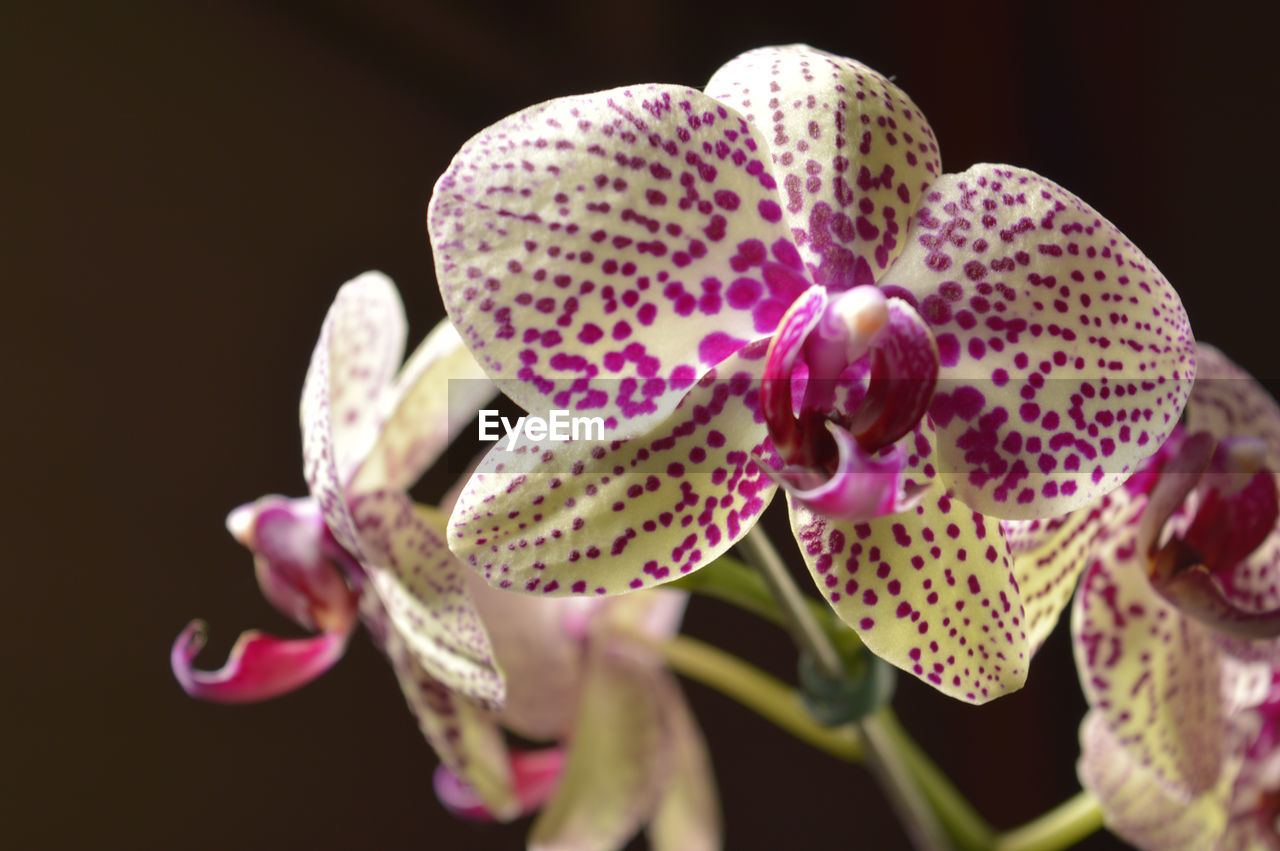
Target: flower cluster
(970,387)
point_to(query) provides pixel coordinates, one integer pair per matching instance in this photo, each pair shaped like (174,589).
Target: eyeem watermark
(558,425)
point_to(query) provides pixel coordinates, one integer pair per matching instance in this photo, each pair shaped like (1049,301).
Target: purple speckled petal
(436,394)
(631,234)
(688,815)
(618,760)
(466,737)
(360,346)
(592,518)
(1151,674)
(929,590)
(852,152)
(534,773)
(423,589)
(1066,356)
(1137,806)
(259,667)
(1049,555)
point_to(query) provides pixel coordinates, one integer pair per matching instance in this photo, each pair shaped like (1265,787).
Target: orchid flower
(773,282)
(566,679)
(357,545)
(1176,618)
(635,756)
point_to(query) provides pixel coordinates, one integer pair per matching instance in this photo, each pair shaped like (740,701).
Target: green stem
(1061,827)
(918,819)
(733,582)
(730,581)
(967,828)
(781,705)
(766,695)
(808,636)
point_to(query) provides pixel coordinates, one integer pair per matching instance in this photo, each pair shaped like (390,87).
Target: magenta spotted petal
(465,736)
(583,518)
(360,346)
(435,395)
(851,151)
(1138,807)
(1049,555)
(1151,674)
(1066,356)
(600,253)
(1230,403)
(929,590)
(422,586)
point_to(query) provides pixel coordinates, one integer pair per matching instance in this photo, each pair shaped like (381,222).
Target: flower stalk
(1061,827)
(914,812)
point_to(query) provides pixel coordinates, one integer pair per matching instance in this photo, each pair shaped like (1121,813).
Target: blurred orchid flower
(1175,621)
(773,282)
(630,753)
(368,437)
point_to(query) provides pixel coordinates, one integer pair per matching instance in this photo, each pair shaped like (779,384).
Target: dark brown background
(185,186)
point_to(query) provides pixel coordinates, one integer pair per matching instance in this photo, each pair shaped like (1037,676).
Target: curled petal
(422,586)
(862,486)
(1197,594)
(852,151)
(550,517)
(1137,806)
(360,346)
(793,440)
(904,374)
(618,759)
(929,590)
(259,667)
(600,253)
(1150,674)
(1066,356)
(437,392)
(534,774)
(294,561)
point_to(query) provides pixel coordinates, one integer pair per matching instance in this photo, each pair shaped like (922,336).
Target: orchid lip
(860,486)
(829,439)
(1236,507)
